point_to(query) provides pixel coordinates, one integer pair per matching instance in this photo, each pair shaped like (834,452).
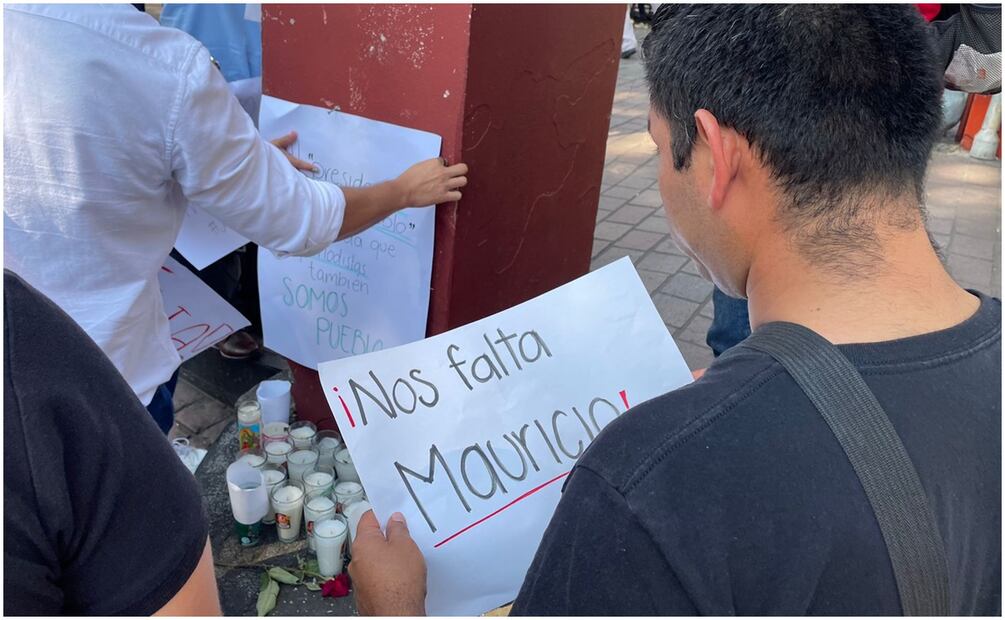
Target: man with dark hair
(793,143)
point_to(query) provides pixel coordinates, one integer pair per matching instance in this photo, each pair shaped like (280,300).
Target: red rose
(337,587)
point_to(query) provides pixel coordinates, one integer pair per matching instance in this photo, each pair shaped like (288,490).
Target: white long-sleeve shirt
(112,126)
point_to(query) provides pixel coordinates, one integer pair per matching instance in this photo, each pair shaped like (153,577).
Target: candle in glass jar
(319,482)
(317,509)
(277,451)
(273,476)
(249,425)
(328,444)
(347,492)
(275,431)
(251,456)
(302,434)
(288,503)
(344,466)
(300,462)
(329,543)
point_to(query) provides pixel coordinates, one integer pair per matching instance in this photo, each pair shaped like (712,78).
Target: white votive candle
(300,462)
(347,492)
(273,476)
(344,466)
(329,543)
(302,434)
(288,503)
(327,445)
(253,457)
(277,451)
(319,482)
(317,509)
(275,431)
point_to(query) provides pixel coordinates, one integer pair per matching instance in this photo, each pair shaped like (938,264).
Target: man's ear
(723,148)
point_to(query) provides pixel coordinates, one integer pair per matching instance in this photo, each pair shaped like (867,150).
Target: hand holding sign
(470,433)
(371,290)
(388,573)
(283,143)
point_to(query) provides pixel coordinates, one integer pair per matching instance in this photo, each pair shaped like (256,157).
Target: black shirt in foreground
(100,515)
(732,496)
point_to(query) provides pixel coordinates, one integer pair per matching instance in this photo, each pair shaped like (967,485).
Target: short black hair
(838,101)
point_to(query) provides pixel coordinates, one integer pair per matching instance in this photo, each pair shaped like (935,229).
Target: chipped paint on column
(522,93)
(388,62)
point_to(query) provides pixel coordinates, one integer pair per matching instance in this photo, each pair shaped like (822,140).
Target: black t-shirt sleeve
(597,559)
(100,515)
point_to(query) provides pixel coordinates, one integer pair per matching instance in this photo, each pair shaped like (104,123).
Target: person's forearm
(199,596)
(365,206)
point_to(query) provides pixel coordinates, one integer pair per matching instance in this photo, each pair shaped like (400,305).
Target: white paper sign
(199,318)
(203,239)
(365,293)
(470,433)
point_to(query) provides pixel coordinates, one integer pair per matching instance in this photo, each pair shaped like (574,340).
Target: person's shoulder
(647,434)
(24,305)
(118,26)
(49,358)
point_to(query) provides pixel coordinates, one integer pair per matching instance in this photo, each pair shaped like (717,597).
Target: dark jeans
(730,322)
(161,408)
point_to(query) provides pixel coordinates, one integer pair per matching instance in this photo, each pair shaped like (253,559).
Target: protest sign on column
(199,318)
(367,292)
(470,433)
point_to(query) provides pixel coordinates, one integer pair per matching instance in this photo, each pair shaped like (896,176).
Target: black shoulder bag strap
(876,453)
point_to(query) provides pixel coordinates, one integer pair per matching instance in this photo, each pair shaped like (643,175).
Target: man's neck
(906,293)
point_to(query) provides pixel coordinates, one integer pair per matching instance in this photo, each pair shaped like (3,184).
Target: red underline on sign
(486,518)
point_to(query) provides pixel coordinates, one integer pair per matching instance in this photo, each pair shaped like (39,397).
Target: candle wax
(273,476)
(302,457)
(328,443)
(274,429)
(278,447)
(288,495)
(255,460)
(329,529)
(348,488)
(320,504)
(318,478)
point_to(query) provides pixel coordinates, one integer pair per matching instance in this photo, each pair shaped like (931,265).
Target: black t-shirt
(732,495)
(100,515)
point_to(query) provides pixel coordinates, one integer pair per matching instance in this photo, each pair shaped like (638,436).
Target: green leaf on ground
(267,598)
(283,576)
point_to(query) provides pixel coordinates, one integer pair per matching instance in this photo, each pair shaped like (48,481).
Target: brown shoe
(238,346)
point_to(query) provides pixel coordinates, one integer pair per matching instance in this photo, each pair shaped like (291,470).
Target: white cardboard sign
(199,318)
(367,292)
(203,239)
(470,433)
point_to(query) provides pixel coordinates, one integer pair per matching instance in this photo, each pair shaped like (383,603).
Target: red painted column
(521,93)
